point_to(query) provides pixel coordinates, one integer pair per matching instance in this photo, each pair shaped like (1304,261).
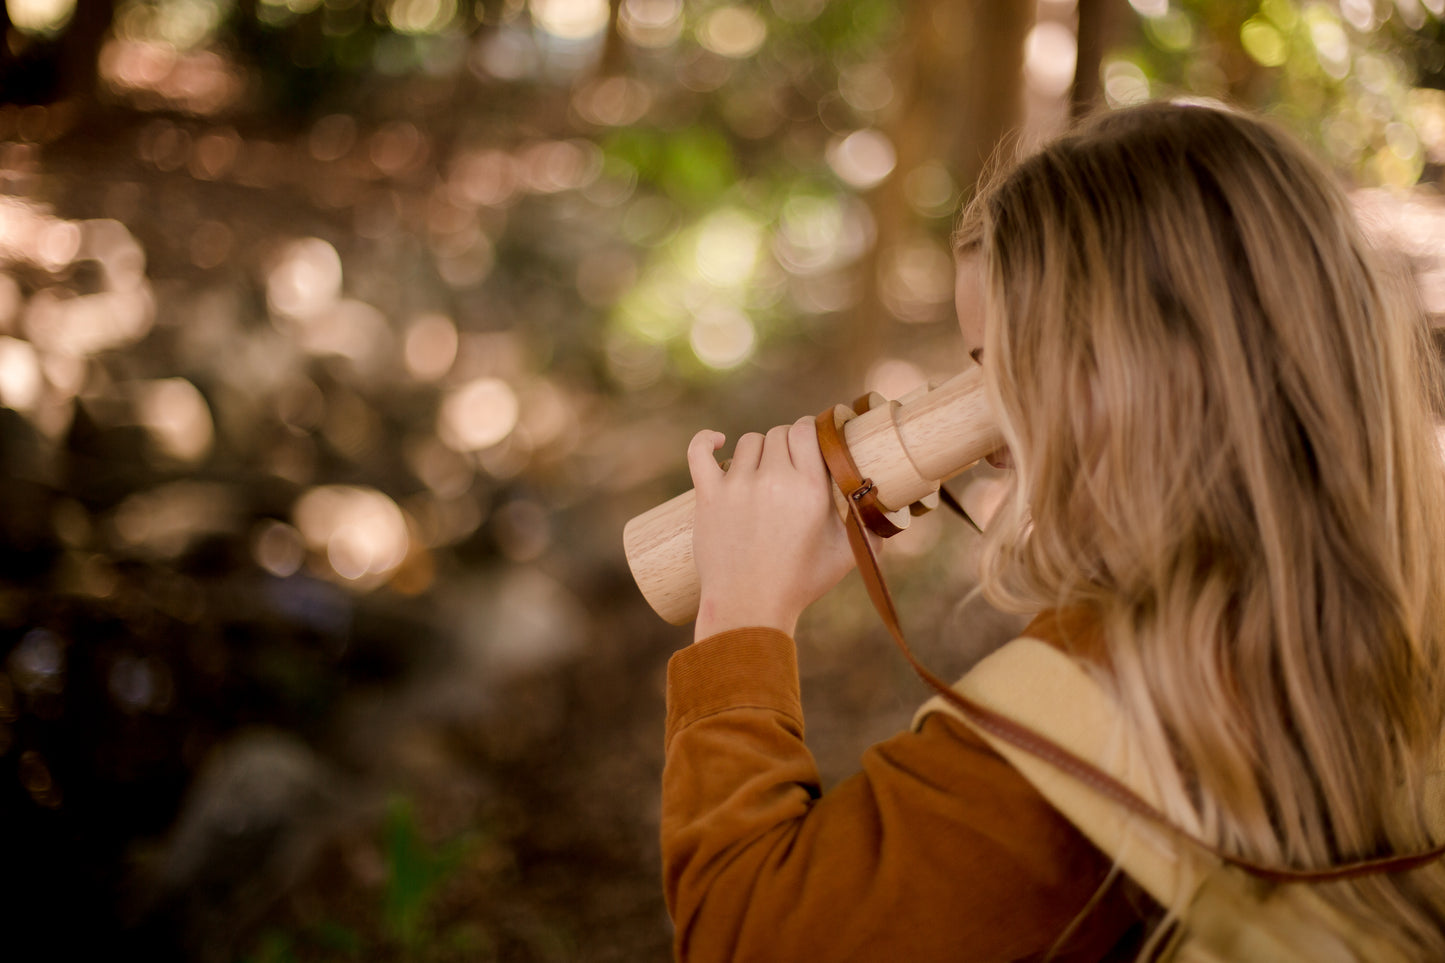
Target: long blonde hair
(1220,415)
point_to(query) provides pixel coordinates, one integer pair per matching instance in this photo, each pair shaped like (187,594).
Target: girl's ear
(968,287)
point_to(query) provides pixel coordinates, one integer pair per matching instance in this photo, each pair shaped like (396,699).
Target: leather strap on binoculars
(859,493)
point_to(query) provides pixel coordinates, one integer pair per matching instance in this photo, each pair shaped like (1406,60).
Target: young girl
(1228,503)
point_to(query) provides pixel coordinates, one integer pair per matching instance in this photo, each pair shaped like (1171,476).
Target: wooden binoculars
(906,448)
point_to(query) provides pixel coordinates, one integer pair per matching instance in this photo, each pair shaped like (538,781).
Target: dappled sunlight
(431,346)
(1050,54)
(21,381)
(917,283)
(359,532)
(894,378)
(1413,227)
(863,158)
(732,31)
(278,548)
(1125,84)
(168,520)
(570,19)
(39,16)
(650,23)
(306,279)
(478,414)
(155,74)
(722,338)
(339,339)
(726,249)
(176,416)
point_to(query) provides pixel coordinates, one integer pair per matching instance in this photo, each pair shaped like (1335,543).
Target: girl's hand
(767,540)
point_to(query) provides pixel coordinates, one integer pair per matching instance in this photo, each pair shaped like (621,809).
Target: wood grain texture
(905,449)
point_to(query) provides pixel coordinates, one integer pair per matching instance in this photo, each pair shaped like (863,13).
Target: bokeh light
(20,378)
(39,16)
(37,663)
(931,190)
(360,532)
(140,684)
(339,337)
(1150,8)
(732,31)
(571,19)
(917,282)
(1050,54)
(431,346)
(727,248)
(278,548)
(1125,84)
(1263,42)
(867,87)
(477,415)
(167,520)
(614,101)
(177,418)
(863,158)
(722,337)
(305,280)
(894,378)
(650,23)
(421,16)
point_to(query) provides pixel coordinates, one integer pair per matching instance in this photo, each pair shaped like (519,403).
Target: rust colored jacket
(936,850)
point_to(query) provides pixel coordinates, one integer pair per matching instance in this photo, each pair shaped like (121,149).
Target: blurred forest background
(339,338)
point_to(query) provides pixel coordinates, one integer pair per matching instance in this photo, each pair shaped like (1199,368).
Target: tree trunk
(958,75)
(1100,24)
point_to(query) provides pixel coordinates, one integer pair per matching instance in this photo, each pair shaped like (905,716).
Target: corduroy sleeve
(936,850)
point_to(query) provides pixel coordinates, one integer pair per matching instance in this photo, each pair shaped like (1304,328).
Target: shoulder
(968,826)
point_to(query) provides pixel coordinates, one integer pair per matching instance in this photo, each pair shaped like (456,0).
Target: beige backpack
(1224,914)
(1027,690)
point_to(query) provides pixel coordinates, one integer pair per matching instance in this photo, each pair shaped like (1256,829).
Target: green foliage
(338,941)
(692,166)
(405,926)
(416,870)
(275,946)
(1343,82)
(849,25)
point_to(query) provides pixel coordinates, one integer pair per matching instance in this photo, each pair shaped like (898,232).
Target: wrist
(715,616)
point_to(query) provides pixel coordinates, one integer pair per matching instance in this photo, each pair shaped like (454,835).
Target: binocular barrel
(905,448)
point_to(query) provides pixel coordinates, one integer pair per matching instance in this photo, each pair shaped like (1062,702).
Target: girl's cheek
(1002,458)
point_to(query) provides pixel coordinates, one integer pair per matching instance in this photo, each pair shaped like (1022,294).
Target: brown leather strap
(860,492)
(864,403)
(1027,739)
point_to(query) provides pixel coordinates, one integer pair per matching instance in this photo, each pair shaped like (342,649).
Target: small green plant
(274,946)
(416,870)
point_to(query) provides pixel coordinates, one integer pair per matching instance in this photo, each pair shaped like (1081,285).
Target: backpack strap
(857,489)
(1042,688)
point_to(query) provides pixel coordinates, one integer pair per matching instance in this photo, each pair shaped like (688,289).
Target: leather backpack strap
(1039,686)
(858,490)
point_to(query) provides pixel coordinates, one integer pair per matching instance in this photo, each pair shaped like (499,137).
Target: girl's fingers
(803,445)
(775,448)
(748,452)
(700,461)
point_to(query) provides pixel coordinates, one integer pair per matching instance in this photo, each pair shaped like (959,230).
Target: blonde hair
(1220,416)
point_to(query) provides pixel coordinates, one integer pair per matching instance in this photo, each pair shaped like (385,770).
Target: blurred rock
(250,826)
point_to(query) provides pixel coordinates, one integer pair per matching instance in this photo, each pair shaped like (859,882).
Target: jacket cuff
(754,668)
